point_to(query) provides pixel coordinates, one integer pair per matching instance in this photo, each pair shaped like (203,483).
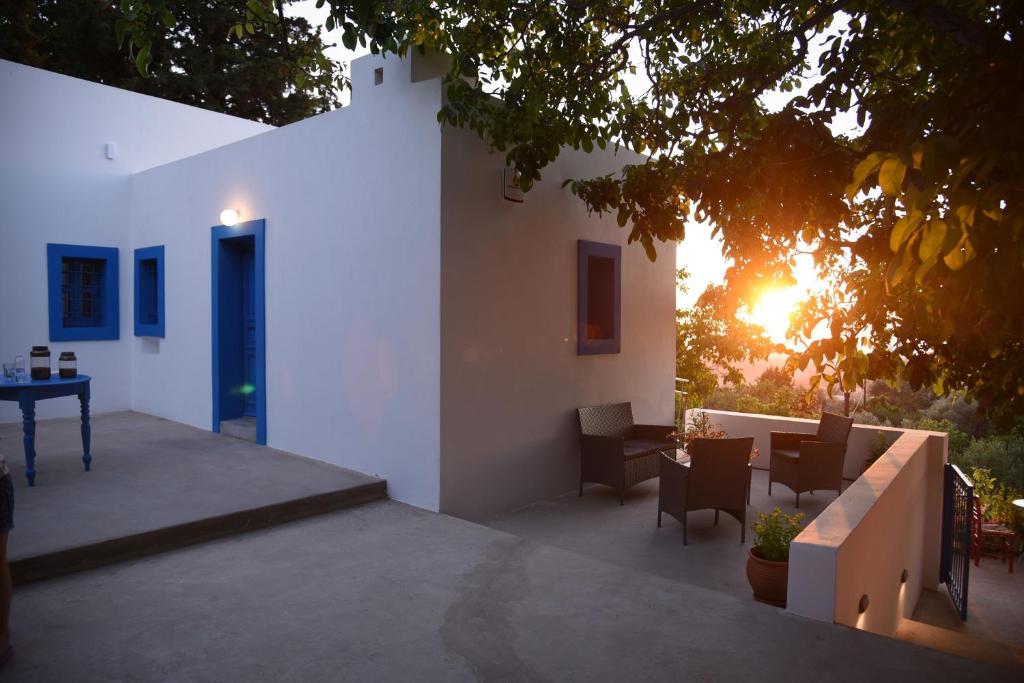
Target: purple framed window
(599,297)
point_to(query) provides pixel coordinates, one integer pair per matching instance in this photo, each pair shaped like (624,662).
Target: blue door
(248,349)
(239,325)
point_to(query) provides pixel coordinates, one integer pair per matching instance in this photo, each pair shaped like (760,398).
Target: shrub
(774,532)
(879,445)
(1002,456)
(996,499)
(958,441)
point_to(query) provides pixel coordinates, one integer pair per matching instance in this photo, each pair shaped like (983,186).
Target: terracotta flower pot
(768,579)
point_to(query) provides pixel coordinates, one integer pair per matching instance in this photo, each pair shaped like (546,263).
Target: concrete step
(99,554)
(155,486)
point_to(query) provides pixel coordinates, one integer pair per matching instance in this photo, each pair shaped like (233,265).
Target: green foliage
(701,427)
(711,342)
(1000,456)
(996,498)
(958,441)
(917,216)
(276,76)
(772,394)
(773,533)
(879,445)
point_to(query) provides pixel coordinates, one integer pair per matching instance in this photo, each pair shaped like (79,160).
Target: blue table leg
(83,398)
(28,426)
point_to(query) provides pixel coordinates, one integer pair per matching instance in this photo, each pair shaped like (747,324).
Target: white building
(402,319)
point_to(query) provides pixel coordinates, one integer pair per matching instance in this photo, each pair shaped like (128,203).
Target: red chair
(992,538)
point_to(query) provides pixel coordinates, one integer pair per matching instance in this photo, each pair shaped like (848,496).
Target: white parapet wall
(887,522)
(862,437)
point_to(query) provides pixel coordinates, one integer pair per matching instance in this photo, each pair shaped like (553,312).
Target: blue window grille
(82,291)
(149,292)
(83,295)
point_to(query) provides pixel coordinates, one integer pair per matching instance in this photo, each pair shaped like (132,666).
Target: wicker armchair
(717,477)
(807,462)
(616,452)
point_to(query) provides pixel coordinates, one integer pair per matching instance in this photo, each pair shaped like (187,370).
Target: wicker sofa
(616,452)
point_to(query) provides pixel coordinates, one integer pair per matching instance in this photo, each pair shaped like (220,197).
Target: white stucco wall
(888,521)
(511,379)
(351,201)
(57,186)
(858,447)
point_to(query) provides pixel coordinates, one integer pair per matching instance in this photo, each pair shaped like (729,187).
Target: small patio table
(27,393)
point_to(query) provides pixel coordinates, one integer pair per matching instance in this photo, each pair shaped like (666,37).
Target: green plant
(773,532)
(996,499)
(701,427)
(879,446)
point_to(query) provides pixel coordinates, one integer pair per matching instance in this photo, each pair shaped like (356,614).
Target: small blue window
(83,297)
(149,292)
(599,298)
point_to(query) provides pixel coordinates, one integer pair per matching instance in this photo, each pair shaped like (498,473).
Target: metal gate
(957,518)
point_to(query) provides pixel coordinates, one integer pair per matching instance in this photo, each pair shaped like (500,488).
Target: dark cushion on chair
(634,448)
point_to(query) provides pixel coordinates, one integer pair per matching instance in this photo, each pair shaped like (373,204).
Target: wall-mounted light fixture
(862,607)
(903,576)
(229,217)
(510,184)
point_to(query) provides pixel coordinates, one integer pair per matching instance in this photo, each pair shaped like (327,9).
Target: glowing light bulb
(229,216)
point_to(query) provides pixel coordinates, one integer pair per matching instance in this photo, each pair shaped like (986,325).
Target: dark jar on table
(40,362)
(67,364)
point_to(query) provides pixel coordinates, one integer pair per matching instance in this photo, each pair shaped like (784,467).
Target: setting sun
(773,309)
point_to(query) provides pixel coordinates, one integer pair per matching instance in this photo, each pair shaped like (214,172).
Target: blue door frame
(238,346)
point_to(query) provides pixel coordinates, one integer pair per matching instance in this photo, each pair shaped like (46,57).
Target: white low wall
(862,437)
(887,521)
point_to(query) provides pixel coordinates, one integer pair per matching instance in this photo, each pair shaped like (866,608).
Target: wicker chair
(717,477)
(807,462)
(616,452)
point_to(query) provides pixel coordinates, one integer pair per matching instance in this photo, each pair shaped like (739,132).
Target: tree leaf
(866,167)
(891,174)
(932,237)
(142,60)
(903,229)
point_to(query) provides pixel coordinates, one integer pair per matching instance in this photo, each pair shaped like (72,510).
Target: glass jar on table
(40,362)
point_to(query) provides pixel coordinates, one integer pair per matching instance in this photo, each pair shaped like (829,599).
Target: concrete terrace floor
(391,593)
(147,473)
(597,526)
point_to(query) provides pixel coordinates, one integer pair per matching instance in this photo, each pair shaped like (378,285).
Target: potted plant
(877,449)
(768,559)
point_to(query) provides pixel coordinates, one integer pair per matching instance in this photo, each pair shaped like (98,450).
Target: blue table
(27,394)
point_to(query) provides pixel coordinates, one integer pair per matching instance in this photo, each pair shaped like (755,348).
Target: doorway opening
(239,332)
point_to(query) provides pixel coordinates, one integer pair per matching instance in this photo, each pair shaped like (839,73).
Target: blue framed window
(599,297)
(149,292)
(83,296)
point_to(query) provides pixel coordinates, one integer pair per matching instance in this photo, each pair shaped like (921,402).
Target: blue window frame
(149,292)
(599,297)
(83,293)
